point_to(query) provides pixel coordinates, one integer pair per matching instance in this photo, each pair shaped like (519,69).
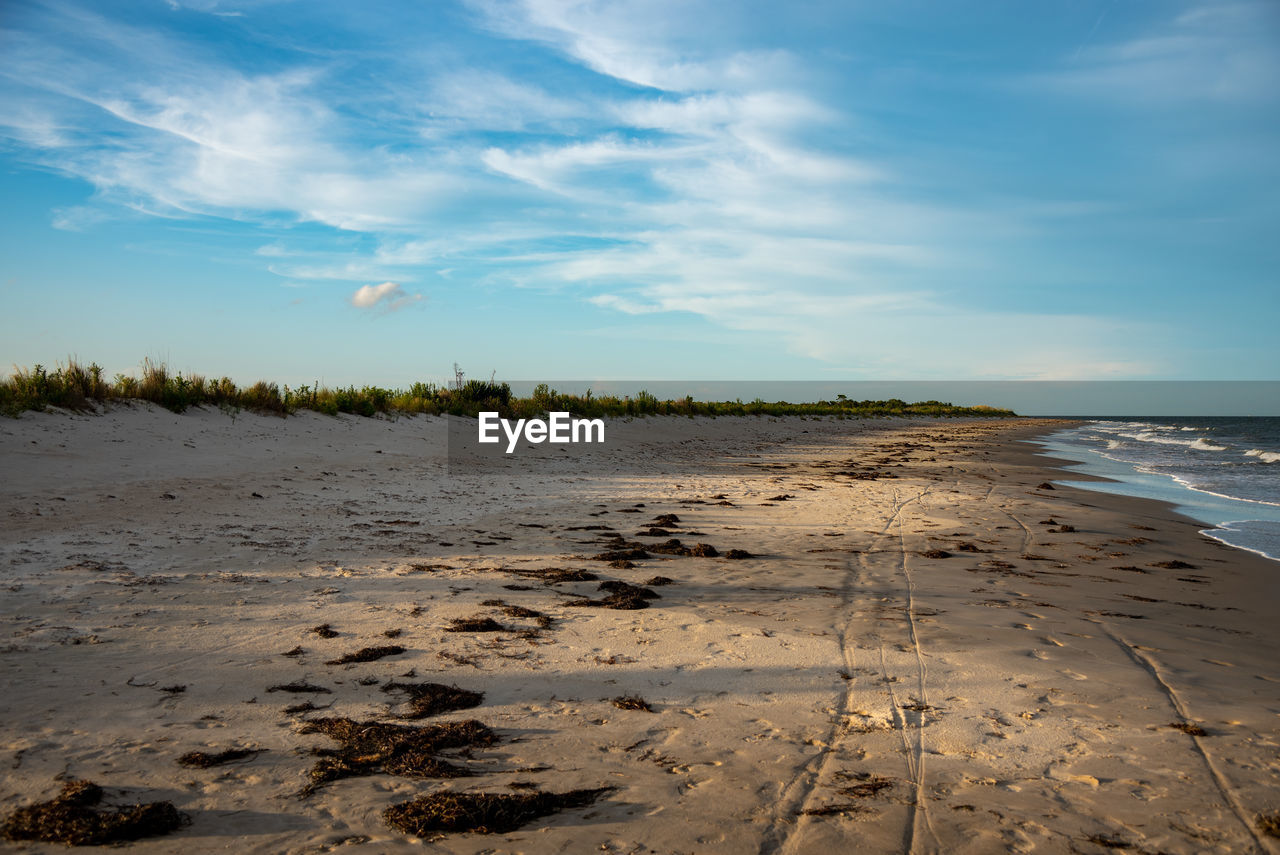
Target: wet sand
(925,650)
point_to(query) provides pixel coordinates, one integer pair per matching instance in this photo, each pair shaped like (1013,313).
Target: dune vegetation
(74,386)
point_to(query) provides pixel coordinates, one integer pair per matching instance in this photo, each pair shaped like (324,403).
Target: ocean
(1221,471)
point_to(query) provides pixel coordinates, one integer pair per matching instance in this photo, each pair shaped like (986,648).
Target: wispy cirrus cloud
(639,157)
(1206,53)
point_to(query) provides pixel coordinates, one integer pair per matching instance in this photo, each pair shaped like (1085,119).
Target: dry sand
(847,688)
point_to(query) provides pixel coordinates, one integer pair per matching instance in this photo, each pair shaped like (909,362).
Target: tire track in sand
(787,831)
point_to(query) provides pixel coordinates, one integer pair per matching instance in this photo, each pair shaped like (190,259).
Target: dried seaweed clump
(659,581)
(866,786)
(202,760)
(476,623)
(324,631)
(1189,728)
(72,819)
(1269,823)
(367,654)
(483,813)
(298,686)
(738,554)
(552,575)
(936,553)
(428,699)
(632,702)
(622,596)
(675,547)
(369,746)
(635,554)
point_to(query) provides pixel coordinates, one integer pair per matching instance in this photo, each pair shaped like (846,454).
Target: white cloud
(724,189)
(1220,52)
(388,297)
(659,44)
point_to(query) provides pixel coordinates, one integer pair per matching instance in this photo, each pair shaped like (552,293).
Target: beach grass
(74,386)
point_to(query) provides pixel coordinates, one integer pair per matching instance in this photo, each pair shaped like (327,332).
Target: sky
(661,189)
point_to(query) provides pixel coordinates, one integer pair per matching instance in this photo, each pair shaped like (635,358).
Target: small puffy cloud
(388,296)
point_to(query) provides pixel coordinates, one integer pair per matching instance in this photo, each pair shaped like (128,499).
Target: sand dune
(923,651)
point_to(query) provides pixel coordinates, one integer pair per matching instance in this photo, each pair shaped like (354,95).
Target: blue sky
(666,190)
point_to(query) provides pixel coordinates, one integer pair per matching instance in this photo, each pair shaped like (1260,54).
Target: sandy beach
(920,647)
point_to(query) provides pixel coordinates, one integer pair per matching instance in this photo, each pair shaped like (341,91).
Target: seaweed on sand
(867,785)
(617,587)
(428,699)
(632,702)
(1189,728)
(202,760)
(675,547)
(72,818)
(738,554)
(476,623)
(622,596)
(298,686)
(367,654)
(324,631)
(369,746)
(483,813)
(552,575)
(622,555)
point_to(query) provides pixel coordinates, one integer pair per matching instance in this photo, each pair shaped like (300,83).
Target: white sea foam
(1205,445)
(1238,527)
(1191,485)
(1153,437)
(1264,456)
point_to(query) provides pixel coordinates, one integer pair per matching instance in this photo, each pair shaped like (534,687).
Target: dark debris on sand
(483,813)
(476,623)
(324,631)
(368,654)
(71,818)
(305,707)
(622,596)
(738,554)
(203,760)
(635,554)
(659,581)
(397,749)
(1269,823)
(865,785)
(554,575)
(675,547)
(428,699)
(298,686)
(1189,728)
(632,702)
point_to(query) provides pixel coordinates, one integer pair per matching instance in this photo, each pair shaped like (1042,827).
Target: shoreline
(846,684)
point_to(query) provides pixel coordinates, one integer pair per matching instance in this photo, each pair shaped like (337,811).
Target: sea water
(1220,471)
